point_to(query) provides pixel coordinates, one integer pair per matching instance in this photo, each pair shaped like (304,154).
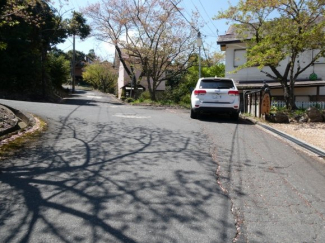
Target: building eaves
(243,85)
(232,37)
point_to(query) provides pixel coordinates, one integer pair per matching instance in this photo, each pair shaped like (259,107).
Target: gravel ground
(312,133)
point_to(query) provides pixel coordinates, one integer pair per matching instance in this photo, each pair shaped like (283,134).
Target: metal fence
(253,99)
(300,104)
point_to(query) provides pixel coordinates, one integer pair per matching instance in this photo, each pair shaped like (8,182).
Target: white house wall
(120,81)
(124,79)
(235,54)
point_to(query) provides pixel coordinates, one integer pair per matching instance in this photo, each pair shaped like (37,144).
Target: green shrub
(145,96)
(129,100)
(300,112)
(275,109)
(318,106)
(186,99)
(59,69)
(165,102)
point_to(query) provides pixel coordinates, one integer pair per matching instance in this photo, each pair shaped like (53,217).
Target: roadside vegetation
(31,67)
(150,37)
(178,89)
(280,114)
(101,76)
(277,34)
(301,115)
(12,142)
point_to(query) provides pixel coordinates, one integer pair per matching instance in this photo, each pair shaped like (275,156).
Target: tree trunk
(43,64)
(292,96)
(286,95)
(151,89)
(127,69)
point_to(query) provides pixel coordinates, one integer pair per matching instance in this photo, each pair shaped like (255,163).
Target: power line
(183,16)
(208,16)
(210,47)
(206,23)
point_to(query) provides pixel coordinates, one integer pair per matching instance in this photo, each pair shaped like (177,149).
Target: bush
(299,112)
(129,100)
(144,96)
(59,69)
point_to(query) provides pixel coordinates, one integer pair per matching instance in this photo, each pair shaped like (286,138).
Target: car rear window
(216,84)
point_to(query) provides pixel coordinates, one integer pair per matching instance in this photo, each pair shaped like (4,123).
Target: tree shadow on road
(108,182)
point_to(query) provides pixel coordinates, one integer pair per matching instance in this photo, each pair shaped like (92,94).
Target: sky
(207,10)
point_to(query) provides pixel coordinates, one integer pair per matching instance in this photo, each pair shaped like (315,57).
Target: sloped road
(107,172)
(276,189)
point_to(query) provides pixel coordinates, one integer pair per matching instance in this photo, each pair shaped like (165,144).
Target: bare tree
(152,32)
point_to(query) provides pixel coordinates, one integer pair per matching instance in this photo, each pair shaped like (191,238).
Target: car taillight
(233,92)
(199,92)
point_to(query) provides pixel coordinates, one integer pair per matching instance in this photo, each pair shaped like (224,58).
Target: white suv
(215,95)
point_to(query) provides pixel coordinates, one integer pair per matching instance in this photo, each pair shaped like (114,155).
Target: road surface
(108,172)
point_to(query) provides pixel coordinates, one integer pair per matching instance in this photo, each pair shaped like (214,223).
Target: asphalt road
(108,172)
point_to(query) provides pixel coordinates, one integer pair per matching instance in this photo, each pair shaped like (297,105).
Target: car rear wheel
(234,116)
(193,114)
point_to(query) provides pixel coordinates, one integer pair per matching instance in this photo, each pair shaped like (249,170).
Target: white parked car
(215,95)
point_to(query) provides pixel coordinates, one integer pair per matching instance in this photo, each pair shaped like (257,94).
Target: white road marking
(93,96)
(133,116)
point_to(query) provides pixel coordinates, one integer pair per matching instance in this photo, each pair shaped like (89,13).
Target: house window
(239,57)
(320,60)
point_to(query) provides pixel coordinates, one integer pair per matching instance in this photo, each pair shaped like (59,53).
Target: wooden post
(255,104)
(260,114)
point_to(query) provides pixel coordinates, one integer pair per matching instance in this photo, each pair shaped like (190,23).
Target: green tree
(216,70)
(101,75)
(92,55)
(28,39)
(181,92)
(13,12)
(79,55)
(277,32)
(58,68)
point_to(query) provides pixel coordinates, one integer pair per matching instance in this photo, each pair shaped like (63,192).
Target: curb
(14,127)
(26,118)
(309,147)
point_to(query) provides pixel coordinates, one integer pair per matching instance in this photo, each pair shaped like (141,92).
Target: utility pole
(77,26)
(199,44)
(73,71)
